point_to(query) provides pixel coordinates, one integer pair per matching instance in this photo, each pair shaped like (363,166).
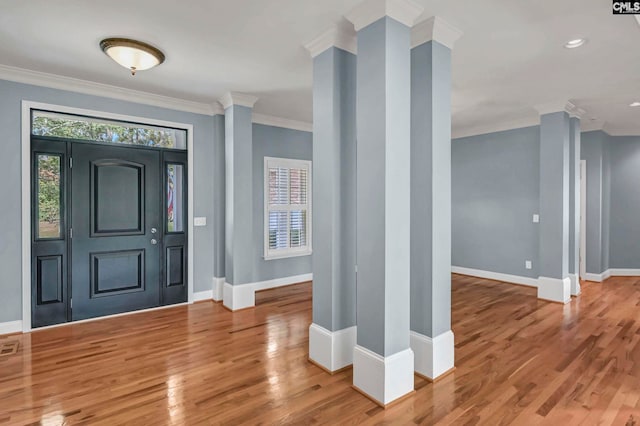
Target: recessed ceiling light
(572,44)
(635,104)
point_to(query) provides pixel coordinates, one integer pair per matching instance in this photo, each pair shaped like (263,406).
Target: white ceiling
(510,58)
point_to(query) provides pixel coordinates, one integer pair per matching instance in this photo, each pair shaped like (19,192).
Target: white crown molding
(37,78)
(436,29)
(498,126)
(575,111)
(333,37)
(269,120)
(637,18)
(404,11)
(240,99)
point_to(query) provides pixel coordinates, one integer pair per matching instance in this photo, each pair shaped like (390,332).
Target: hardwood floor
(519,361)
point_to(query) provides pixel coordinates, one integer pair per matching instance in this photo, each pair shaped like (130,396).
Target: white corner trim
(436,29)
(616,272)
(243,296)
(218,289)
(240,99)
(499,126)
(404,11)
(555,106)
(575,285)
(333,37)
(554,289)
(270,120)
(433,356)
(637,18)
(199,296)
(37,78)
(10,327)
(384,379)
(332,350)
(514,279)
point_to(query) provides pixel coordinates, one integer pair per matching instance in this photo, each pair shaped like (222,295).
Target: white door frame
(27,106)
(583,219)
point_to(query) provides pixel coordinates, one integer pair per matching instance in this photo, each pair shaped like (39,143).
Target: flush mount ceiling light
(635,104)
(572,44)
(132,54)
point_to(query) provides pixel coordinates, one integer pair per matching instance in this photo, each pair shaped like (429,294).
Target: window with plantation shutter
(287,208)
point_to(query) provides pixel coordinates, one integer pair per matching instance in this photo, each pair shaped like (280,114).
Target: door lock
(154,241)
(154,230)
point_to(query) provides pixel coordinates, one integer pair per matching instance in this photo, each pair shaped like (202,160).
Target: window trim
(289,163)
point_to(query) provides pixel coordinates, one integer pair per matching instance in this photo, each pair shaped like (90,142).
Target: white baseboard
(433,356)
(598,277)
(575,284)
(384,379)
(332,350)
(242,296)
(199,296)
(218,288)
(554,289)
(613,272)
(514,279)
(10,327)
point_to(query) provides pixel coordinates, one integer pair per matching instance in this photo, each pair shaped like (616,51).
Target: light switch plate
(527,264)
(199,221)
(536,218)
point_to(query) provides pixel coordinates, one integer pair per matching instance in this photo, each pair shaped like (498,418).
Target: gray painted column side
(238,200)
(334,169)
(591,151)
(574,196)
(218,171)
(554,195)
(383,186)
(431,189)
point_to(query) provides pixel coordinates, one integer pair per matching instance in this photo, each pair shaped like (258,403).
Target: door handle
(154,241)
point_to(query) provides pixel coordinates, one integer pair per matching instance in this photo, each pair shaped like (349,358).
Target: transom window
(287,213)
(68,126)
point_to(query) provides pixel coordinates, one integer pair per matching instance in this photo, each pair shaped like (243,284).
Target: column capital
(235,98)
(369,11)
(555,106)
(336,36)
(435,29)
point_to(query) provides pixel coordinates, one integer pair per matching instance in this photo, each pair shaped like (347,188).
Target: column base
(218,289)
(434,357)
(575,284)
(331,350)
(236,297)
(383,379)
(554,289)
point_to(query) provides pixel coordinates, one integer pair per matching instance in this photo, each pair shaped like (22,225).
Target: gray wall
(495,192)
(624,155)
(283,143)
(592,150)
(11,95)
(219,185)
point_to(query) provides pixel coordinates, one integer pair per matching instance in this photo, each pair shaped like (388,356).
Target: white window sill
(275,256)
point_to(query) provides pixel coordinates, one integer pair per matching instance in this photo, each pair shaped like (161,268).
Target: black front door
(116,223)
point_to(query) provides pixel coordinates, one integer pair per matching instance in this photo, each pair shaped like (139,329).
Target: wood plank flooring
(519,361)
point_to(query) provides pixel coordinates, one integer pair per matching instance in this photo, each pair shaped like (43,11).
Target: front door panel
(115,204)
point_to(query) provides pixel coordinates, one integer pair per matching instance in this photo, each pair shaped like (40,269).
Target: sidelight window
(287,221)
(49,196)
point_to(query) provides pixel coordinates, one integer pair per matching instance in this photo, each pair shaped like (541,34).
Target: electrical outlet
(536,218)
(527,264)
